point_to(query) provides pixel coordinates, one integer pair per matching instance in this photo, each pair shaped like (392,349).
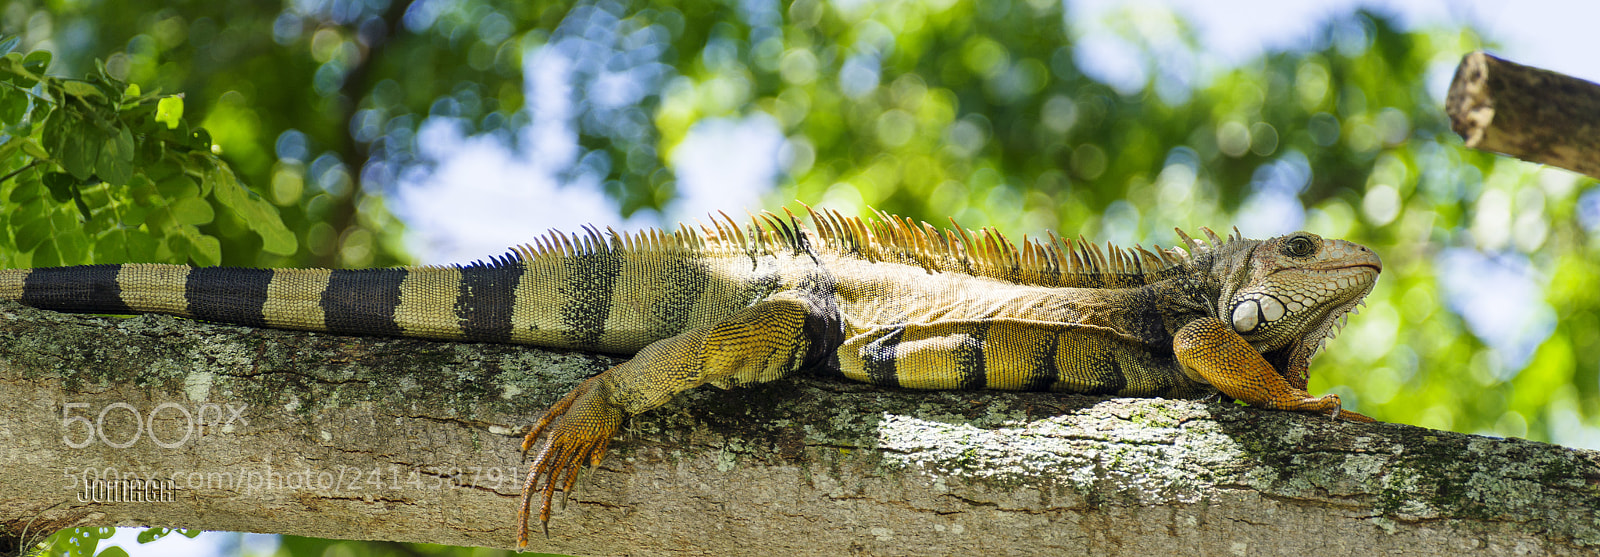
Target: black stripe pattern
(1044,370)
(487,297)
(878,358)
(671,312)
(362,301)
(1110,380)
(969,358)
(586,296)
(228,294)
(81,289)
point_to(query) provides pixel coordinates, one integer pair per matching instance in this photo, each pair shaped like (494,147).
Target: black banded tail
(459,303)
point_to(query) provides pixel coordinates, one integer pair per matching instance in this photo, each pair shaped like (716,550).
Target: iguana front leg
(1212,351)
(760,343)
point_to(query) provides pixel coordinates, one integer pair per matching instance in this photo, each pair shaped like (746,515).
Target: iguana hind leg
(760,343)
(1209,348)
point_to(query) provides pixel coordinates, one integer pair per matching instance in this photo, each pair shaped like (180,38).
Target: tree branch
(1528,113)
(386,439)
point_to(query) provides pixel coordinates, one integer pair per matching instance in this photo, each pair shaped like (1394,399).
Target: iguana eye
(1299,246)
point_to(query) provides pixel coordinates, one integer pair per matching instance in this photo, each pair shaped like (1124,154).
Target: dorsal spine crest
(884,237)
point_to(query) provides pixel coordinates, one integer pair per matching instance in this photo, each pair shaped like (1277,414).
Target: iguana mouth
(1375,265)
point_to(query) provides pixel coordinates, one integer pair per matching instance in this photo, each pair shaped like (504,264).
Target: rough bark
(1529,113)
(803,466)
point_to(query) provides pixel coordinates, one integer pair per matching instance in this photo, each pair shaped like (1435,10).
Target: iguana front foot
(1211,351)
(578,428)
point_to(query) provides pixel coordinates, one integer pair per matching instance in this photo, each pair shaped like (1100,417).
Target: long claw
(1357,417)
(576,431)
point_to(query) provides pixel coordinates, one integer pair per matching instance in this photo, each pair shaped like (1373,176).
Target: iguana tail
(467,303)
(602,299)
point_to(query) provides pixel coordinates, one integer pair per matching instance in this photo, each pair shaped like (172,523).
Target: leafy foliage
(85,542)
(80,542)
(99,172)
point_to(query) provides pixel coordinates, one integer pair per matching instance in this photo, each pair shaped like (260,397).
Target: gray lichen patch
(1099,452)
(197,385)
(1408,474)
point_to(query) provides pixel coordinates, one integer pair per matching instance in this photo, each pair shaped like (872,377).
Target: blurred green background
(355,118)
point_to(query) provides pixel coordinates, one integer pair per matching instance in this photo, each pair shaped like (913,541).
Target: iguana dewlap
(888,302)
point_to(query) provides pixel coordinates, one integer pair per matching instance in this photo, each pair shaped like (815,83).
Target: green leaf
(113,551)
(125,145)
(11,64)
(151,534)
(190,532)
(25,191)
(205,251)
(160,219)
(9,45)
(200,140)
(142,246)
(22,68)
(10,147)
(46,255)
(60,185)
(34,150)
(41,110)
(133,215)
(98,195)
(13,106)
(258,214)
(55,133)
(162,169)
(82,89)
(169,111)
(275,237)
(83,207)
(220,179)
(73,246)
(176,246)
(30,235)
(131,92)
(217,176)
(192,210)
(74,143)
(36,61)
(115,164)
(149,151)
(178,186)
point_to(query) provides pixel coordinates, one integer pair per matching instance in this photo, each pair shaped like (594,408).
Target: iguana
(887,301)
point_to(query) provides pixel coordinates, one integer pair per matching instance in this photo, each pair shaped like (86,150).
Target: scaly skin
(889,302)
(1229,304)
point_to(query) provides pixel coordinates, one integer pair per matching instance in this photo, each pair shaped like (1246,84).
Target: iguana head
(1288,295)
